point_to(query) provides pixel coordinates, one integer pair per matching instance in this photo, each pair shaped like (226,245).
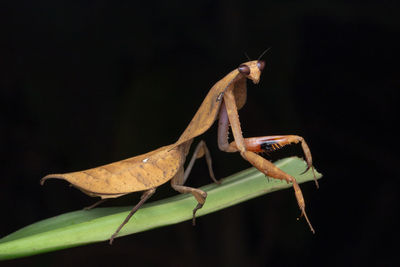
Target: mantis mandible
(148,171)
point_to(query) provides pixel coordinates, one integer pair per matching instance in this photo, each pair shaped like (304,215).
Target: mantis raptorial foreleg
(275,142)
(260,144)
(257,161)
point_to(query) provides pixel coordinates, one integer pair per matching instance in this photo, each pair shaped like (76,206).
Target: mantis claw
(308,167)
(315,177)
(199,206)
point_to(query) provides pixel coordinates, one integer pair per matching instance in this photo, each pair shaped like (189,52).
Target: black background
(88,83)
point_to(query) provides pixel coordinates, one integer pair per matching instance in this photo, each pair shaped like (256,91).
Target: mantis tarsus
(148,171)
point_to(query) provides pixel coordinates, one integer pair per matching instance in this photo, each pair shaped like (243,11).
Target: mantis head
(252,70)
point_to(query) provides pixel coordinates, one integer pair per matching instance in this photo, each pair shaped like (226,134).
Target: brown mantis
(148,171)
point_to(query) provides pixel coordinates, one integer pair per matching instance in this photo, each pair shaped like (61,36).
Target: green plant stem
(83,227)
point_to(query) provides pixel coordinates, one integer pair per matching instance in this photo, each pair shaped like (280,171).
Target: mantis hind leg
(101,201)
(145,196)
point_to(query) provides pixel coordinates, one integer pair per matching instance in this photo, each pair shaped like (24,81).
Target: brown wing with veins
(130,175)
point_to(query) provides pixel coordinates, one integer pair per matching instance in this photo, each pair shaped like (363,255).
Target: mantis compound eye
(261,64)
(244,69)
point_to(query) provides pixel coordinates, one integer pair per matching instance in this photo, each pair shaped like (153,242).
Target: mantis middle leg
(181,177)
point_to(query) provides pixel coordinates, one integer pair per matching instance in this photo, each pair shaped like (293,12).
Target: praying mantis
(148,171)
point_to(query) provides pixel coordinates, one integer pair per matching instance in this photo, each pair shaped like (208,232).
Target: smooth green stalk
(83,227)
